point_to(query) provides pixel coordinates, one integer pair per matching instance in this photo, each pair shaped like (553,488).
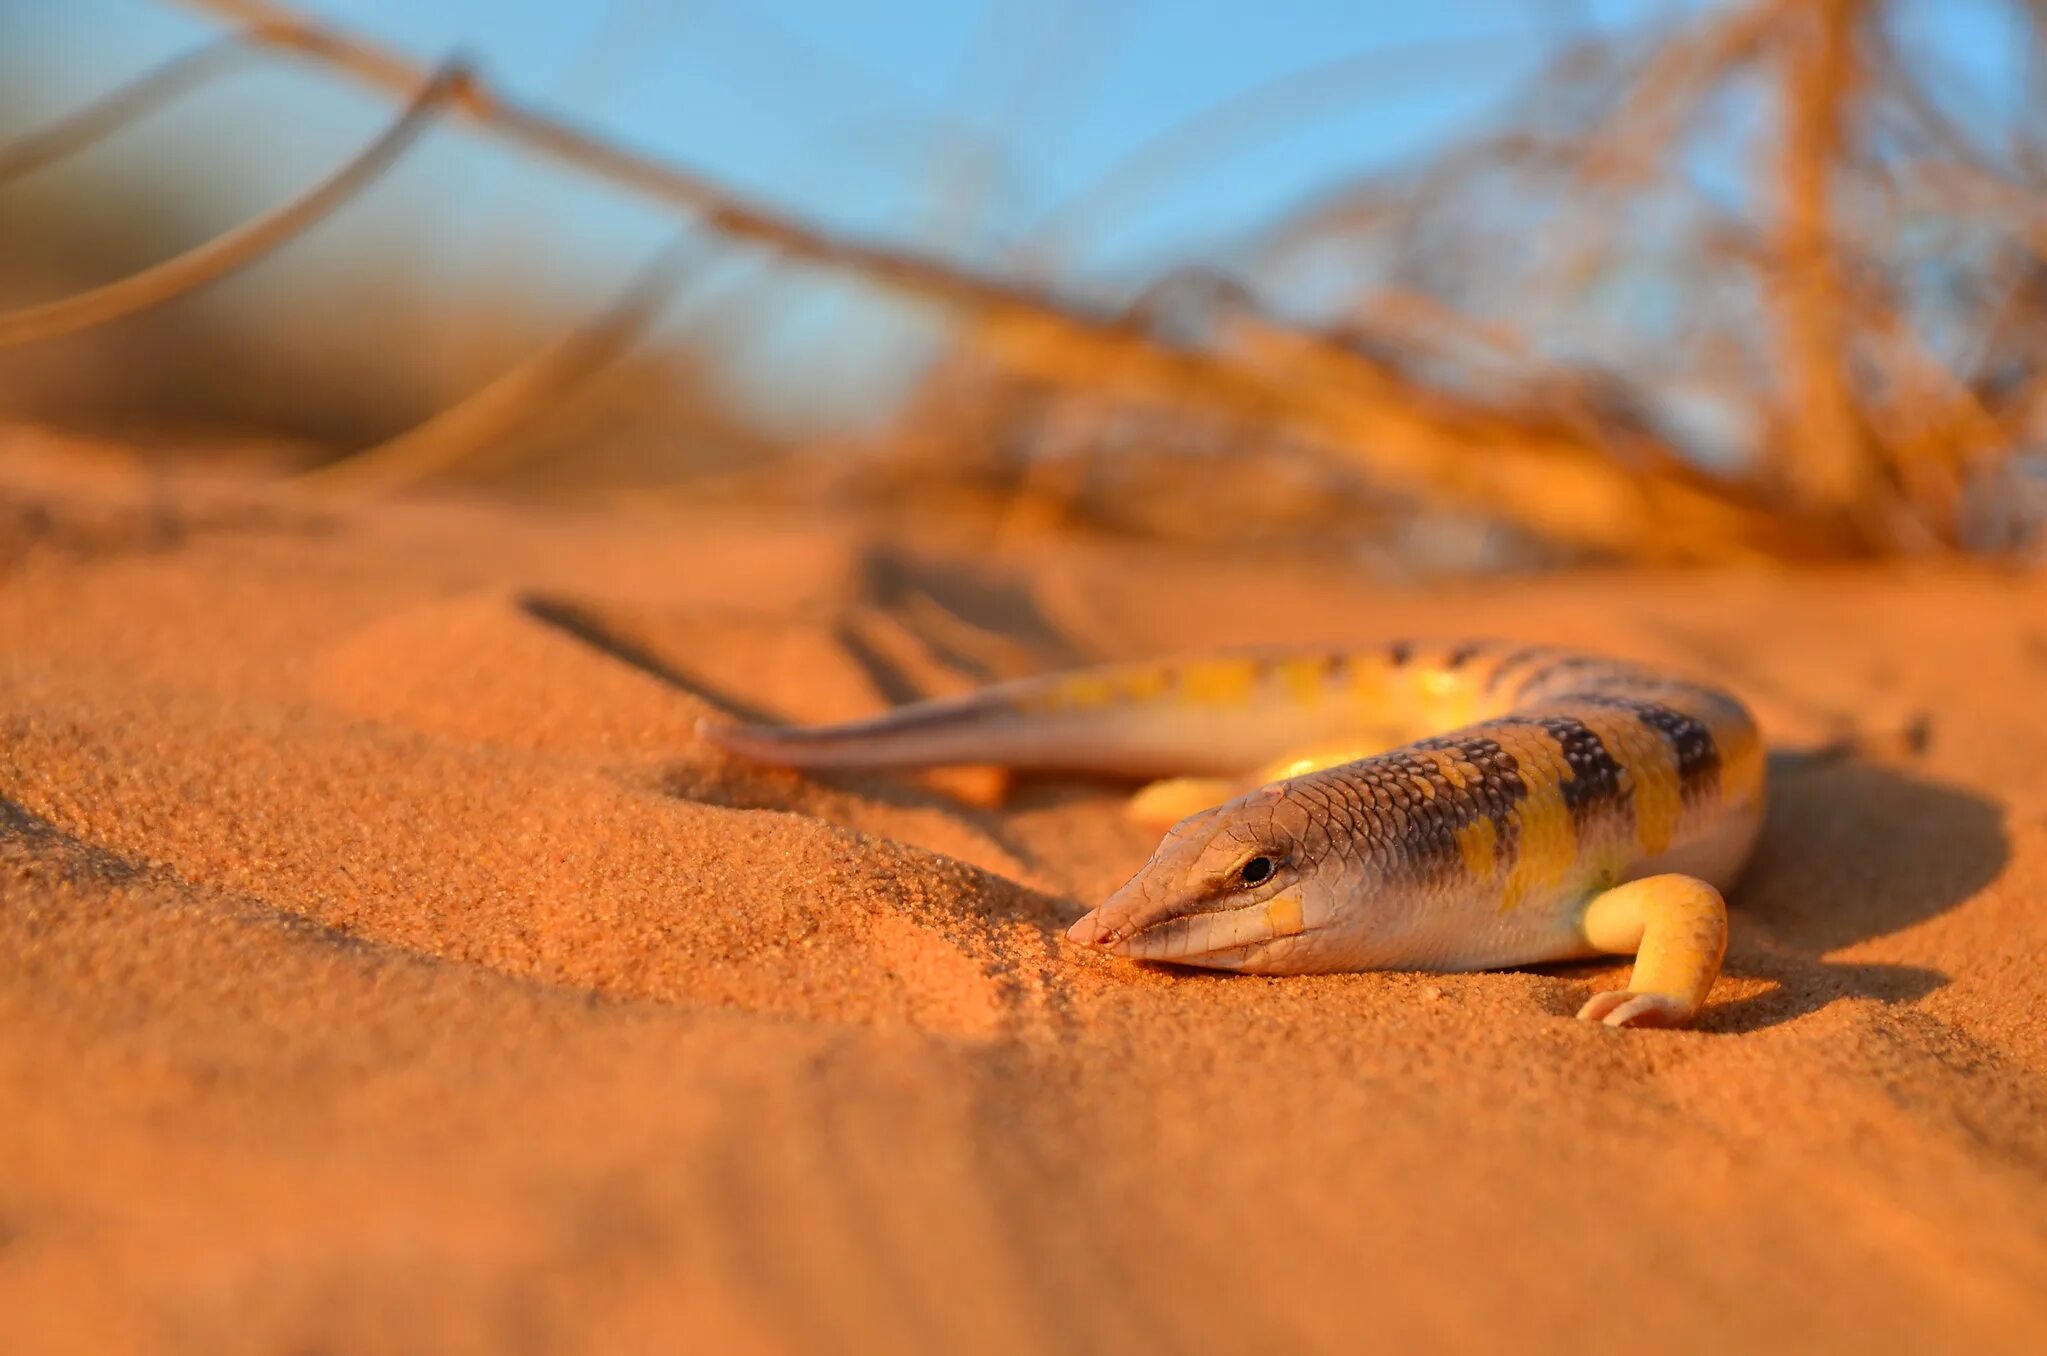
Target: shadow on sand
(1850,851)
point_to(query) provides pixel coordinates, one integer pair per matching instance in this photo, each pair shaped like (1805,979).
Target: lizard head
(1230,888)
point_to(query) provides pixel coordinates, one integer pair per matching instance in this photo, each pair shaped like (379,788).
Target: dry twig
(511,401)
(111,112)
(1555,486)
(237,248)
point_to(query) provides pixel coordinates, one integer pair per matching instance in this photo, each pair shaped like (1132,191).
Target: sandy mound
(384,965)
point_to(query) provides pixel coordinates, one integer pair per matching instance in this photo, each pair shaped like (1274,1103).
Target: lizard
(1418,806)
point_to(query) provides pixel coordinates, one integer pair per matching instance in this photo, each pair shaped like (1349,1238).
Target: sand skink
(1576,806)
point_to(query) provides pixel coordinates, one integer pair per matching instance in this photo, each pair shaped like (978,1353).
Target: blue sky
(851,113)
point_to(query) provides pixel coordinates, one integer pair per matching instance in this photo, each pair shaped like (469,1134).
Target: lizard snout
(1121,916)
(1189,931)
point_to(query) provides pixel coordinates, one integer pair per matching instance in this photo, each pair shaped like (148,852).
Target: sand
(384,966)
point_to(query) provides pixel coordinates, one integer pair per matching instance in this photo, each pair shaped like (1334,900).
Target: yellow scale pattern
(1546,843)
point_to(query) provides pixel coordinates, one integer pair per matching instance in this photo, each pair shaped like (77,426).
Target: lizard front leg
(1676,929)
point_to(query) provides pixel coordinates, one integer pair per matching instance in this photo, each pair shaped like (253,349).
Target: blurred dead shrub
(1760,286)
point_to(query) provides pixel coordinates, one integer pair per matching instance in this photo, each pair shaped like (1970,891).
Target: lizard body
(1432,807)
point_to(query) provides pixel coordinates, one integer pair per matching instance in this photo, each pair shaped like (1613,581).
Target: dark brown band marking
(1437,816)
(1697,752)
(1596,774)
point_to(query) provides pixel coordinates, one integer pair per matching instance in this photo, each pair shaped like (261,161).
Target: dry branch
(721,211)
(113,111)
(1827,457)
(511,401)
(225,253)
(1560,487)
(1806,348)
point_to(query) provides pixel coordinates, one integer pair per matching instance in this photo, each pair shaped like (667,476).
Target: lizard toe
(1620,1007)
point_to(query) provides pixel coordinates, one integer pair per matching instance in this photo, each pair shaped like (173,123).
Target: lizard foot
(1676,929)
(1622,1007)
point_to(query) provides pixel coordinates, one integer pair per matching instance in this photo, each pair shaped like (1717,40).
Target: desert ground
(385,964)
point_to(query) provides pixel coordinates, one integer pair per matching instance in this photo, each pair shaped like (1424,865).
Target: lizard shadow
(588,626)
(1850,851)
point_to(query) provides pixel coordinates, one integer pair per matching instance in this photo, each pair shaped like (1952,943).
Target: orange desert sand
(386,966)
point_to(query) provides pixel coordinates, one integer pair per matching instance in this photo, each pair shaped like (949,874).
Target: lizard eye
(1256,871)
